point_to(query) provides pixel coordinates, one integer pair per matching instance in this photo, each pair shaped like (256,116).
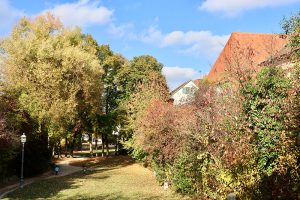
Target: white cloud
(151,35)
(82,13)
(177,75)
(173,38)
(191,42)
(8,15)
(234,7)
(120,31)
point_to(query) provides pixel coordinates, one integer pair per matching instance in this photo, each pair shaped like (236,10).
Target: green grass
(114,178)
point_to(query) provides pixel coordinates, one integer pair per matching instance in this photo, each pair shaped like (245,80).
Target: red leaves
(166,129)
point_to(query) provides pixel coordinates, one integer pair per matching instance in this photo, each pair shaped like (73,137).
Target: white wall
(180,97)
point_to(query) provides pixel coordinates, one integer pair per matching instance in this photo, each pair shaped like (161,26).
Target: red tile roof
(197,82)
(246,50)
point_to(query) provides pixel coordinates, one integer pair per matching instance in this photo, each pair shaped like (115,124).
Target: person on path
(56,169)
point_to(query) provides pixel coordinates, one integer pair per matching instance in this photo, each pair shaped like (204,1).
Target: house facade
(185,92)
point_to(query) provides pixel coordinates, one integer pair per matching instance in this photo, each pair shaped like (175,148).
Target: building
(246,51)
(185,92)
(243,52)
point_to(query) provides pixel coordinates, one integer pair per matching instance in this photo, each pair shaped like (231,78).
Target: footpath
(65,169)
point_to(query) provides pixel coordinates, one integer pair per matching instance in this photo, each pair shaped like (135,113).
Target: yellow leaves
(57,68)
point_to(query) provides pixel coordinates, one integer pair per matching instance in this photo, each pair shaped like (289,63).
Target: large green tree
(112,94)
(56,72)
(137,73)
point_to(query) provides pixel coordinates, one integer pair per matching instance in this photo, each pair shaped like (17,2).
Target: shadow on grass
(111,161)
(52,188)
(115,161)
(118,197)
(86,153)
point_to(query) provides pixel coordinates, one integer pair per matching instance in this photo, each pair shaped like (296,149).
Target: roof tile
(249,49)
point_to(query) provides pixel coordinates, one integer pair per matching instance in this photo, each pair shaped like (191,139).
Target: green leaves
(140,71)
(267,101)
(57,70)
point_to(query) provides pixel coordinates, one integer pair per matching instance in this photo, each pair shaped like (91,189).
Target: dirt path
(65,169)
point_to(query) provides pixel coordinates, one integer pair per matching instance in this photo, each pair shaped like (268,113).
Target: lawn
(111,178)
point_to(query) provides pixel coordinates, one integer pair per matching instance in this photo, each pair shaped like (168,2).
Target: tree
(56,72)
(8,137)
(140,82)
(291,27)
(112,64)
(136,73)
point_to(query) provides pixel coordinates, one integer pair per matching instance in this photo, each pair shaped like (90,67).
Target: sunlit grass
(119,178)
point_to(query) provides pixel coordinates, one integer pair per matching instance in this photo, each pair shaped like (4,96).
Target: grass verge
(111,178)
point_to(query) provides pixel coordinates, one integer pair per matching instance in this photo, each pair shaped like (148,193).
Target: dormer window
(187,90)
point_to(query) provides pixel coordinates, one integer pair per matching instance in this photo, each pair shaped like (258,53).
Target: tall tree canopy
(55,69)
(142,83)
(140,71)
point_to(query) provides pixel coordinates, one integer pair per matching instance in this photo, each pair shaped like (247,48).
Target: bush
(185,173)
(267,102)
(13,122)
(8,138)
(240,139)
(226,141)
(159,170)
(36,156)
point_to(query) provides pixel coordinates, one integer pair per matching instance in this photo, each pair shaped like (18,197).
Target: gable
(246,50)
(184,93)
(187,84)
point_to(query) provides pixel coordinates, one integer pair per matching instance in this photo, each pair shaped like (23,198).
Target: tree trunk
(80,143)
(96,146)
(117,145)
(107,147)
(53,151)
(102,144)
(66,147)
(73,143)
(91,144)
(59,149)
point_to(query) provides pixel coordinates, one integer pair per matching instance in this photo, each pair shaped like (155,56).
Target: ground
(116,177)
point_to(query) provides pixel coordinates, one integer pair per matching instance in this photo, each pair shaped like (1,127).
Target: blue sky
(185,35)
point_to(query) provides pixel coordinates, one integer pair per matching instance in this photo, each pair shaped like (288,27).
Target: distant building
(185,92)
(246,50)
(85,138)
(242,52)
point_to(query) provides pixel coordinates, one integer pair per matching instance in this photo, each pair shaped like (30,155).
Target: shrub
(267,109)
(185,173)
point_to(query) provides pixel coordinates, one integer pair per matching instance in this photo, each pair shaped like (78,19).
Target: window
(186,90)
